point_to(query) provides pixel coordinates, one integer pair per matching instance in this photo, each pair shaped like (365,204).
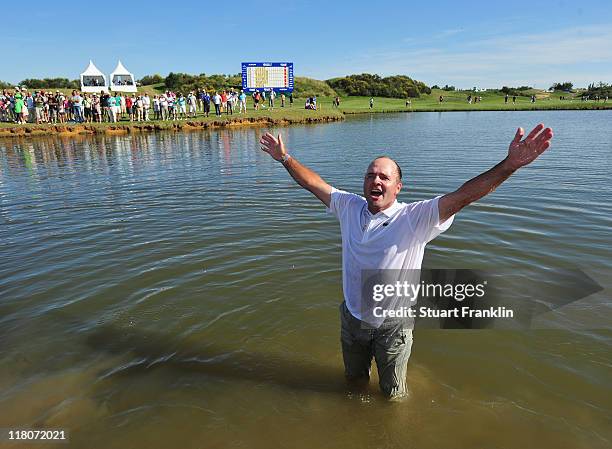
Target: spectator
(172,106)
(19,106)
(229,104)
(181,103)
(242,99)
(87,109)
(206,101)
(122,106)
(29,103)
(271,98)
(77,103)
(139,108)
(216,99)
(146,106)
(192,102)
(156,108)
(129,107)
(164,109)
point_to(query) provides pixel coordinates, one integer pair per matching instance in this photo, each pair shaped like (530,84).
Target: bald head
(397,169)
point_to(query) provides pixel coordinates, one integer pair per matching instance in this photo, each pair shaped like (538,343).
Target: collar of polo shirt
(388,212)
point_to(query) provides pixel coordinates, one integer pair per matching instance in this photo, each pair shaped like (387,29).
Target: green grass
(294,114)
(456,101)
(453,101)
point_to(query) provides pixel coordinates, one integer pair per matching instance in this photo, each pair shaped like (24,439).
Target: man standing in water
(380,233)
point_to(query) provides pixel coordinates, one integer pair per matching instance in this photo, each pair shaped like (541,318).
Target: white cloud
(451,32)
(580,54)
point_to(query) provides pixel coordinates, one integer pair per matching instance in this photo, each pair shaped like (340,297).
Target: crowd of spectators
(40,106)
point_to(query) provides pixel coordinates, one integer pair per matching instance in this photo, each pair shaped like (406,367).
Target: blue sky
(466,44)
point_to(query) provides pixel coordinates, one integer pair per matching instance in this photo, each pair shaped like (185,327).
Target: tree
(151,79)
(183,82)
(518,91)
(565,87)
(47,83)
(601,90)
(372,85)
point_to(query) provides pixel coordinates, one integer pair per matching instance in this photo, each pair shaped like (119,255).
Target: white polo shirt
(391,239)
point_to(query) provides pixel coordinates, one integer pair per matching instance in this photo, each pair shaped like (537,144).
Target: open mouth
(375,193)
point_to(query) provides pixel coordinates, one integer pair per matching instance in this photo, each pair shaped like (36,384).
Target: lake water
(179,290)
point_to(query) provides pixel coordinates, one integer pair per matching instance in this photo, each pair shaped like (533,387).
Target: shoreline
(73,129)
(608,106)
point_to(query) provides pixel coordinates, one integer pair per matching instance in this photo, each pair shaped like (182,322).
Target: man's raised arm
(302,174)
(520,153)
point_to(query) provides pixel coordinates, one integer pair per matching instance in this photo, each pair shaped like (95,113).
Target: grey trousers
(389,345)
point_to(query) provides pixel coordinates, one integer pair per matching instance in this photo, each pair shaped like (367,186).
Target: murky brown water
(177,290)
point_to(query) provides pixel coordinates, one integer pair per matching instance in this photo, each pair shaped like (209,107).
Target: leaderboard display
(266,76)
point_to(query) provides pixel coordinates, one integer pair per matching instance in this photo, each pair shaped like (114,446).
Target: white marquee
(92,80)
(121,80)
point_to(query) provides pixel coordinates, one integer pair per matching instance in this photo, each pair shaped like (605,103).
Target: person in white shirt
(112,108)
(271,98)
(192,104)
(163,104)
(146,106)
(379,233)
(122,105)
(139,108)
(216,99)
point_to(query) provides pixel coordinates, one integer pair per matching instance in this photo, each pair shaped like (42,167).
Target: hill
(397,86)
(306,87)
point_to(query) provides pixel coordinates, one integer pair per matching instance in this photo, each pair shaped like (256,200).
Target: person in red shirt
(129,104)
(223,101)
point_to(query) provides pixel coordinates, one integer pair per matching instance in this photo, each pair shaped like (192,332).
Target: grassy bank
(456,101)
(263,118)
(453,101)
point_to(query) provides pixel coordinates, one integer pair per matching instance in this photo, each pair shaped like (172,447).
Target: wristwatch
(285,158)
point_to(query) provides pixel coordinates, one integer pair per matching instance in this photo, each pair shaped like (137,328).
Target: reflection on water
(177,289)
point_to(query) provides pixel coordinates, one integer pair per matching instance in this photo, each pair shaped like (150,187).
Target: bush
(47,83)
(565,87)
(151,79)
(601,90)
(516,91)
(368,85)
(184,82)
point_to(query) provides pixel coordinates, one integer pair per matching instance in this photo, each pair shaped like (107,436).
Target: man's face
(381,184)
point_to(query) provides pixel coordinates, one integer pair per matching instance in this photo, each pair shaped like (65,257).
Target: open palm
(274,146)
(523,152)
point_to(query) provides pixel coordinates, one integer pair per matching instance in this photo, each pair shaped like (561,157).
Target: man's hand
(273,146)
(520,153)
(523,152)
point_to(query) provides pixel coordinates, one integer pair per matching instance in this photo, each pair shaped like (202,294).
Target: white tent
(92,80)
(121,80)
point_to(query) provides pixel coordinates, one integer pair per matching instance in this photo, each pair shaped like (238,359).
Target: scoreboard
(267,75)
